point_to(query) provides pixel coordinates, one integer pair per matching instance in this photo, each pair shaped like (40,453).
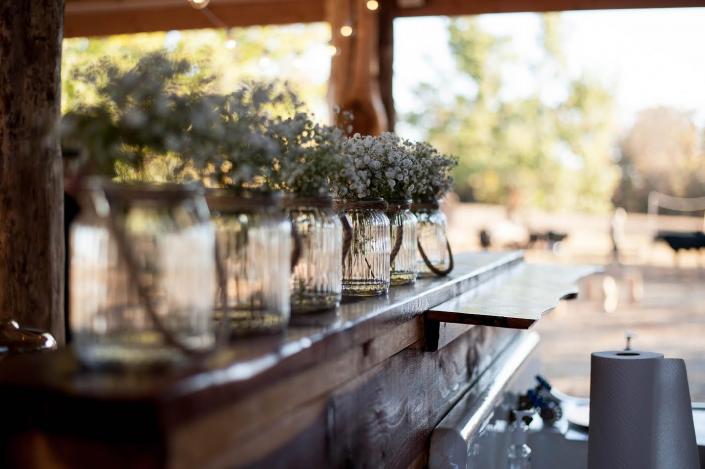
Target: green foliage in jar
(159,106)
(160,121)
(248,155)
(309,155)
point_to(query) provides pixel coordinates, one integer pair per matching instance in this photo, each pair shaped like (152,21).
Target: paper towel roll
(640,413)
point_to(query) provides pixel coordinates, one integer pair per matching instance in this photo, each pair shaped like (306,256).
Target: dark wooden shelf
(515,299)
(246,366)
(302,396)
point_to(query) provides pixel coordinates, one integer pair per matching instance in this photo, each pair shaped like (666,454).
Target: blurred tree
(661,152)
(298,54)
(551,147)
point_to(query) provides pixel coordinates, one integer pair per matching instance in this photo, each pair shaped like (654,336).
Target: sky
(647,57)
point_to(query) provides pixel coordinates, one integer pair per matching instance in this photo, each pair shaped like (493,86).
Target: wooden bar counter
(363,386)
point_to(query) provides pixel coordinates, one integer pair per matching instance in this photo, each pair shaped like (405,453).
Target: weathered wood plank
(31,183)
(516,299)
(101,18)
(383,418)
(477,7)
(266,407)
(104,17)
(82,400)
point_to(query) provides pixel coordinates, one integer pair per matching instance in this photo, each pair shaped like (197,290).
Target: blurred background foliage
(534,150)
(545,149)
(298,54)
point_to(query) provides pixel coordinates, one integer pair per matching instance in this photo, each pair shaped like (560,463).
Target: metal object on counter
(17,339)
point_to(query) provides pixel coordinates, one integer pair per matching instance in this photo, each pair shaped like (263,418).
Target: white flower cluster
(391,168)
(257,136)
(376,167)
(433,177)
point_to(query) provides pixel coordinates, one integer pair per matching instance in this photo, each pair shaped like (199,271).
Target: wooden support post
(31,186)
(355,68)
(387,14)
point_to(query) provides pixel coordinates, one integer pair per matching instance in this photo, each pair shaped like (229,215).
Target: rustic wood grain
(103,17)
(354,85)
(383,418)
(387,12)
(516,299)
(273,402)
(31,184)
(477,7)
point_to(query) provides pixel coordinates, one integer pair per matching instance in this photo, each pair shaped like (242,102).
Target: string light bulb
(372,5)
(346,31)
(199,4)
(332,50)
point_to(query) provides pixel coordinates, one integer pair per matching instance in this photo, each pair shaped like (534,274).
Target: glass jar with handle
(142,274)
(254,243)
(435,255)
(403,238)
(366,248)
(316,278)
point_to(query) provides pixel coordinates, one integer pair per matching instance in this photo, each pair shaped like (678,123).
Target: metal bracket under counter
(450,440)
(515,299)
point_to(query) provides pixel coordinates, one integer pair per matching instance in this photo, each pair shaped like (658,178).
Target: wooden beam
(387,13)
(354,81)
(106,17)
(476,7)
(31,184)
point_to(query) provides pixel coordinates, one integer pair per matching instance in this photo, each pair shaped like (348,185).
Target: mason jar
(253,236)
(366,248)
(403,238)
(435,256)
(316,277)
(142,274)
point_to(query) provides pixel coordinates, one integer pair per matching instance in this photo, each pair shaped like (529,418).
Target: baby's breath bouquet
(432,172)
(376,167)
(144,122)
(310,155)
(384,167)
(249,155)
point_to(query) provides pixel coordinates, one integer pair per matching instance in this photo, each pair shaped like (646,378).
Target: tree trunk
(31,186)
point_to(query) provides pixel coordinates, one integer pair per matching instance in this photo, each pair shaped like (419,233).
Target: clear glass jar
(435,256)
(142,274)
(366,248)
(254,244)
(316,279)
(403,237)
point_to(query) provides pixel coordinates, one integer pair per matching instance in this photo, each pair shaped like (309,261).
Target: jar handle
(347,235)
(397,244)
(223,333)
(296,249)
(143,293)
(431,267)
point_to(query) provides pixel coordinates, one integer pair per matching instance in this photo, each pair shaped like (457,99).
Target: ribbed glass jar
(254,246)
(316,279)
(142,274)
(366,248)
(403,238)
(431,235)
